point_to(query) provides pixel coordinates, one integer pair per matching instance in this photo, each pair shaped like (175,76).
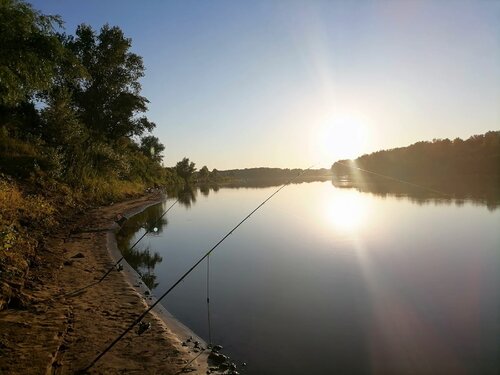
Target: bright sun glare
(347,212)
(341,138)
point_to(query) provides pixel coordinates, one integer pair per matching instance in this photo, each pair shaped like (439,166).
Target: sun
(344,137)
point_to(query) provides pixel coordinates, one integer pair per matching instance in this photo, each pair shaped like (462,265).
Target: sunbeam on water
(347,212)
(374,283)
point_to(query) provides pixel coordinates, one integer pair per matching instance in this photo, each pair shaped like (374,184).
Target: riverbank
(54,334)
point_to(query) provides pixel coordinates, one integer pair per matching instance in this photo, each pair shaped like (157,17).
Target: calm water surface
(326,280)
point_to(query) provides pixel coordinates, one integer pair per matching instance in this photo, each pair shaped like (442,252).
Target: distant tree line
(204,175)
(264,173)
(71,107)
(442,159)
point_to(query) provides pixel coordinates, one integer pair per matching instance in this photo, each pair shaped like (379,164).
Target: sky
(285,83)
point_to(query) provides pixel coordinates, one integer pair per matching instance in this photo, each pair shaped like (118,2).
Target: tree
(62,131)
(152,148)
(204,173)
(109,100)
(214,175)
(438,160)
(30,51)
(60,122)
(185,169)
(32,61)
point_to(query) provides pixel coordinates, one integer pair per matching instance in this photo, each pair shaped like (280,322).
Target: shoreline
(182,331)
(57,333)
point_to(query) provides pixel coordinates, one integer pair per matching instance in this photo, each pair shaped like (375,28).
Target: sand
(57,334)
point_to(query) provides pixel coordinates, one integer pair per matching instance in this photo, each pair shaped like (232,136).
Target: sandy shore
(59,334)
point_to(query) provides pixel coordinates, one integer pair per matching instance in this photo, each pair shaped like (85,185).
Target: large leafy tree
(108,100)
(152,148)
(30,51)
(185,169)
(71,105)
(34,65)
(204,173)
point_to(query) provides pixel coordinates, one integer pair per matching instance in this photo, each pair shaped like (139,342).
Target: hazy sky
(285,83)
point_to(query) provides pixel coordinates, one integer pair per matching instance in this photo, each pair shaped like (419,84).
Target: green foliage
(71,110)
(152,148)
(22,121)
(71,114)
(108,100)
(61,125)
(30,54)
(185,169)
(203,174)
(83,134)
(20,158)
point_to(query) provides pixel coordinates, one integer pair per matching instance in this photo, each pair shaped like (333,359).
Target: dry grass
(25,217)
(23,220)
(102,191)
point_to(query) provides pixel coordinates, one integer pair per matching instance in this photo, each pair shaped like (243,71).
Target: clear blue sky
(280,83)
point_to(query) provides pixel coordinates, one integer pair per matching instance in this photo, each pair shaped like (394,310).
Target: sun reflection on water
(347,212)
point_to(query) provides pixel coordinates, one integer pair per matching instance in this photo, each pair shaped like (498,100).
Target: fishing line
(207,254)
(208,303)
(396,179)
(140,317)
(146,232)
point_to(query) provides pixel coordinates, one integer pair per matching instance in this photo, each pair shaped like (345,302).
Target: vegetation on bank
(71,108)
(73,131)
(477,158)
(19,215)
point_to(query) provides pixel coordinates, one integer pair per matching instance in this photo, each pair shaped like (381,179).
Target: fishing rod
(146,232)
(140,317)
(208,303)
(79,290)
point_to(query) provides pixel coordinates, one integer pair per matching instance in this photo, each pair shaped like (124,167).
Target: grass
(23,219)
(35,196)
(27,217)
(102,191)
(34,207)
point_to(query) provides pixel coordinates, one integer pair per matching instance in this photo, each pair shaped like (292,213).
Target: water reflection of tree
(148,220)
(205,190)
(144,262)
(186,195)
(140,257)
(445,192)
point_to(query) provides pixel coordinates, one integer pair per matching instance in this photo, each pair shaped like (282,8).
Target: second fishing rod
(191,269)
(114,266)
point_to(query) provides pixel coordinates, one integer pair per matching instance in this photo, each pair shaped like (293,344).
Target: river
(326,279)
